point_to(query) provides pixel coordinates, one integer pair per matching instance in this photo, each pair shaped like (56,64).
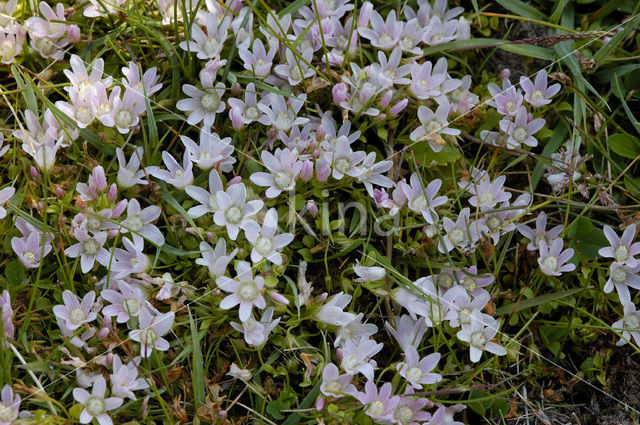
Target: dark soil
(519,65)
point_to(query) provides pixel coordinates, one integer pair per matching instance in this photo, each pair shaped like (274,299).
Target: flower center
(414,374)
(147,337)
(619,275)
(95,406)
(90,246)
(420,203)
(84,85)
(251,112)
(520,134)
(537,96)
(6,413)
(464,316)
(283,121)
(403,414)
(30,258)
(264,246)
(248,291)
(493,223)
(333,386)
(135,223)
(385,39)
(123,118)
(621,253)
(511,107)
(457,236)
(550,263)
(407,42)
(445,281)
(77,316)
(84,115)
(131,305)
(469,284)
(432,126)
(282,179)
(631,321)
(93,223)
(349,362)
(210,101)
(376,409)
(478,340)
(343,165)
(210,47)
(486,198)
(213,203)
(7,51)
(295,74)
(233,215)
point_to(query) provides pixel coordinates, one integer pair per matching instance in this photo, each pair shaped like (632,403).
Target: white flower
(266,244)
(234,211)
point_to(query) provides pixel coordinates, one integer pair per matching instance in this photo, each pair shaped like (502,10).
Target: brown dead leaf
(553,395)
(174,373)
(513,409)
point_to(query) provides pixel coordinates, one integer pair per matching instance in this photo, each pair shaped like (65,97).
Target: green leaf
(617,90)
(624,145)
(470,44)
(536,301)
(523,9)
(198,364)
(26,89)
(608,48)
(558,136)
(14,271)
(423,152)
(530,50)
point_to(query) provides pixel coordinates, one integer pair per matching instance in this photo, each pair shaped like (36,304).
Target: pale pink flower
(245,290)
(95,404)
(153,325)
(266,244)
(74,312)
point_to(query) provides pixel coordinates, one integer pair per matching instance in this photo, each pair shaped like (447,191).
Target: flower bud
(236,119)
(112,194)
(505,73)
(322,172)
(278,297)
(365,14)
(235,180)
(386,98)
(34,173)
(306,173)
(339,92)
(59,192)
(112,233)
(119,208)
(73,33)
(312,208)
(320,404)
(398,107)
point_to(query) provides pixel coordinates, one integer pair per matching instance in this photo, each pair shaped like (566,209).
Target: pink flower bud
(381,117)
(505,73)
(112,194)
(386,98)
(59,192)
(320,133)
(235,180)
(322,172)
(306,173)
(316,153)
(112,233)
(236,119)
(222,413)
(322,297)
(73,33)
(103,333)
(119,208)
(34,173)
(236,89)
(340,93)
(339,355)
(312,208)
(398,107)
(191,231)
(278,297)
(365,14)
(319,404)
